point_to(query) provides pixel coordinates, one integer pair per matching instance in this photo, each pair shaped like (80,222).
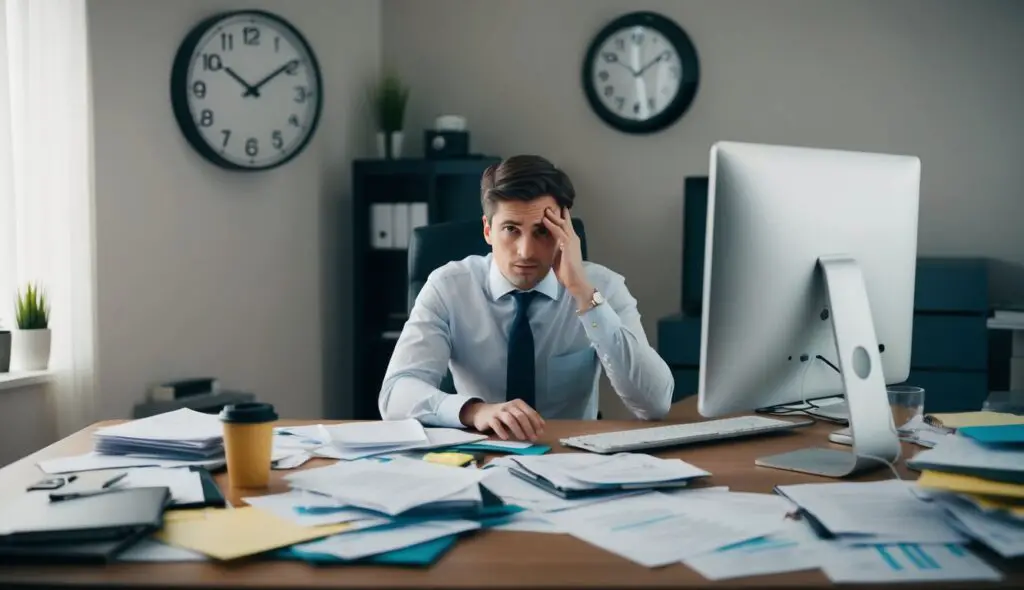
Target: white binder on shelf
(417,215)
(381,226)
(400,225)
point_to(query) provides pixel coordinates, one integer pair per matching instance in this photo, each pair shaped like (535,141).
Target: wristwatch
(595,299)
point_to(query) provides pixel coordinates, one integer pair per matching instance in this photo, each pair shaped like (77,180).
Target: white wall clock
(640,73)
(246,90)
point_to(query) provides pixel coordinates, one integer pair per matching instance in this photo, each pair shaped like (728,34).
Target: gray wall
(941,79)
(207,272)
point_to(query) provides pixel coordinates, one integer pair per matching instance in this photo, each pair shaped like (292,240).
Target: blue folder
(421,555)
(484,446)
(1010,434)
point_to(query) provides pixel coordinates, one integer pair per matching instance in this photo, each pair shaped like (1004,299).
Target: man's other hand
(509,420)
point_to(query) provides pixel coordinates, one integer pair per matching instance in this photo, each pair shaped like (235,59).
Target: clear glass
(1009,402)
(907,403)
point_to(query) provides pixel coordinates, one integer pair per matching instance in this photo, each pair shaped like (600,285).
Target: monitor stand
(871,425)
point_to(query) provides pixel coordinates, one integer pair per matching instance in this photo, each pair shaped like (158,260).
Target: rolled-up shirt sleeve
(418,364)
(639,375)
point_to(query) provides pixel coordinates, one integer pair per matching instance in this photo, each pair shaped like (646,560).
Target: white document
(376,434)
(179,425)
(529,522)
(359,544)
(391,487)
(515,491)
(654,529)
(507,444)
(904,563)
(96,461)
(436,438)
(381,226)
(151,550)
(964,453)
(309,509)
(417,215)
(400,225)
(636,468)
(793,549)
(186,486)
(1001,534)
(887,508)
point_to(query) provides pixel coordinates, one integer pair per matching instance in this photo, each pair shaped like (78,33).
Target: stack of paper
(978,477)
(397,487)
(576,474)
(183,434)
(352,441)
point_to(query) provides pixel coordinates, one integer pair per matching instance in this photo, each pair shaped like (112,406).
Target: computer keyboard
(679,434)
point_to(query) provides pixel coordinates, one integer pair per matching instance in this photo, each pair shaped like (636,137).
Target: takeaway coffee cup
(248,440)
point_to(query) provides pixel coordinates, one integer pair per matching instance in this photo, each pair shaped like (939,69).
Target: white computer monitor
(809,253)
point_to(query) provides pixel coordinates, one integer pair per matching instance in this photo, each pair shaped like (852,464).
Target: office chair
(432,246)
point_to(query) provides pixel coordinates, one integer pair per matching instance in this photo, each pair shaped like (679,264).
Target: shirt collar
(499,285)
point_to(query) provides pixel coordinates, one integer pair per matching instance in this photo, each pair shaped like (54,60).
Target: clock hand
(255,89)
(249,90)
(662,55)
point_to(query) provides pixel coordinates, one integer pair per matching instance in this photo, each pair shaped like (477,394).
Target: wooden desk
(493,559)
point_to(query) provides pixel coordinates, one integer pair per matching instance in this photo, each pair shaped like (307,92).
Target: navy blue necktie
(520,382)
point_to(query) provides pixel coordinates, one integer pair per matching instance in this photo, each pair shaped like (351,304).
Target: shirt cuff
(450,408)
(601,324)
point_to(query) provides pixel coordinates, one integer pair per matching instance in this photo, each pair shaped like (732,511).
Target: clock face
(640,73)
(246,90)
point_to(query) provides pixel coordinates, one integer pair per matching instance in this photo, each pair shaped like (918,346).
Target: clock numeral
(227,41)
(227,136)
(294,120)
(206,118)
(277,44)
(620,43)
(620,101)
(199,89)
(650,103)
(212,62)
(276,140)
(636,108)
(301,94)
(610,57)
(637,38)
(251,36)
(603,75)
(293,67)
(608,91)
(252,147)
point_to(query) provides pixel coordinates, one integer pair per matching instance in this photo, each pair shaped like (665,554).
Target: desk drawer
(949,342)
(947,391)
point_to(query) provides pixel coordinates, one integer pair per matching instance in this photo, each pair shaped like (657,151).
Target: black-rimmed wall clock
(641,73)
(246,90)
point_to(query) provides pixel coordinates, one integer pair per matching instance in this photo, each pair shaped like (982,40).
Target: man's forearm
(640,377)
(405,396)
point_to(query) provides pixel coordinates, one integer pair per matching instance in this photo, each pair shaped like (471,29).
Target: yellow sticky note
(961,419)
(230,533)
(968,484)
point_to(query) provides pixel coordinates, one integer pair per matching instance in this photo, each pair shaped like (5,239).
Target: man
(526,329)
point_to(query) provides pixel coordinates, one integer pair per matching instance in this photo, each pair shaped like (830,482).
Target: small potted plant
(389,103)
(31,343)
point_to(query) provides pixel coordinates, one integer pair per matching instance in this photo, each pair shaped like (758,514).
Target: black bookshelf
(451,190)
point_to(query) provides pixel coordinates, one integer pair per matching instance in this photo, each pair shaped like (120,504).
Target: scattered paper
(185,485)
(793,549)
(529,522)
(151,550)
(904,563)
(1003,535)
(377,434)
(308,509)
(514,490)
(359,544)
(96,461)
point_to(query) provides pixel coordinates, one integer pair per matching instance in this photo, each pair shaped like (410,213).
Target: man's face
(522,247)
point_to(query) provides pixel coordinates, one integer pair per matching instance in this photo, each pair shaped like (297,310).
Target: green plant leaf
(31,310)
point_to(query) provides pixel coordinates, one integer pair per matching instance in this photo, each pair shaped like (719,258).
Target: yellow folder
(230,533)
(969,484)
(961,419)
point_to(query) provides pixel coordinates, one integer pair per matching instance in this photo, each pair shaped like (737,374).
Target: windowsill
(18,379)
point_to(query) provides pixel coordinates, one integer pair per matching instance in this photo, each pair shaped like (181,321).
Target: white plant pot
(393,149)
(30,350)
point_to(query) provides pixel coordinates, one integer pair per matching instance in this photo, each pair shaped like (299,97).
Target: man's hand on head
(568,264)
(509,420)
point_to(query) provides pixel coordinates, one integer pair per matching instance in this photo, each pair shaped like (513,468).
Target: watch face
(640,73)
(598,298)
(246,90)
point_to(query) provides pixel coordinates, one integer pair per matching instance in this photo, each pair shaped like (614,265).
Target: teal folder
(1010,434)
(484,446)
(421,555)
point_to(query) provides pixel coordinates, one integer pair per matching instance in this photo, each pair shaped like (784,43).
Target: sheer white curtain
(46,187)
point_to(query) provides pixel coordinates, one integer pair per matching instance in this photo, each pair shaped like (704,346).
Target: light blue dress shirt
(461,321)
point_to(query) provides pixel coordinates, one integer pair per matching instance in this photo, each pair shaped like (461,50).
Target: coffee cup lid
(248,413)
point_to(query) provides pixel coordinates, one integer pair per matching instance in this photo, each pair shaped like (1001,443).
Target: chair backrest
(433,246)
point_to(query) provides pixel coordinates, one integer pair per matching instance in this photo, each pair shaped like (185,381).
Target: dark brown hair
(524,178)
